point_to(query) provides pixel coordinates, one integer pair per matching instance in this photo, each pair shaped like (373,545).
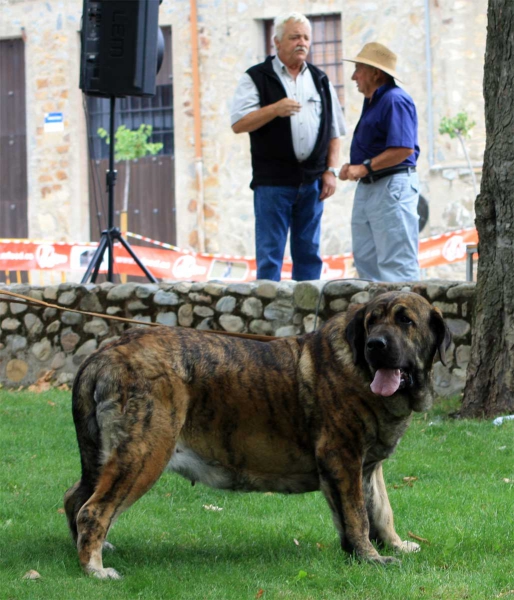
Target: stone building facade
(440,45)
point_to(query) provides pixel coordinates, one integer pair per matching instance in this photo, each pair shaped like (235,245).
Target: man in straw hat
(383,158)
(293,116)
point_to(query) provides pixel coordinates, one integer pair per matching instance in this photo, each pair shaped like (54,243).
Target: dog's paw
(407,546)
(105,573)
(385,560)
(108,546)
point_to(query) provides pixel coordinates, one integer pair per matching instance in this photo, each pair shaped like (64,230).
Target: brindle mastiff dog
(292,415)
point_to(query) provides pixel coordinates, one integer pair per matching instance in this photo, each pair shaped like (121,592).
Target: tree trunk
(490,377)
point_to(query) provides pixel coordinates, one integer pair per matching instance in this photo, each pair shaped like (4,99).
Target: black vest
(273,159)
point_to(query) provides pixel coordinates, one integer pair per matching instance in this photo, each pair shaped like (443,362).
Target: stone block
(286,331)
(215,289)
(167,318)
(136,305)
(16,370)
(285,289)
(72,318)
(462,356)
(311,323)
(232,323)
(463,291)
(53,327)
(308,295)
(69,340)
(58,361)
(279,310)
(446,308)
(243,289)
(4,308)
(18,308)
(200,298)
(252,307)
(17,343)
(10,324)
(339,305)
(91,303)
(227,304)
(203,311)
(97,327)
(360,298)
(163,298)
(119,293)
(185,315)
(33,324)
(266,289)
(67,298)
(260,327)
(345,288)
(50,292)
(146,290)
(42,350)
(459,328)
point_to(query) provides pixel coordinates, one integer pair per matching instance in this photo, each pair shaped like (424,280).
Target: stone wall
(45,342)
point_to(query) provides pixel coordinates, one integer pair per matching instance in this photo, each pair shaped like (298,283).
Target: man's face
(295,43)
(366,78)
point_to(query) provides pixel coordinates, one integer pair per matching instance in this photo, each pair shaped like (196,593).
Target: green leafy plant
(129,145)
(459,127)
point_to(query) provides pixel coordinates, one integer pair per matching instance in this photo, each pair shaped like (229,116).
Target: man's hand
(287,107)
(343,173)
(328,181)
(356,172)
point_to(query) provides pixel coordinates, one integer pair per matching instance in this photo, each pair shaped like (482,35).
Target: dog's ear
(355,335)
(443,334)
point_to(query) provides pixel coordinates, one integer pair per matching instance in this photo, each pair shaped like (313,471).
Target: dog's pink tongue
(386,382)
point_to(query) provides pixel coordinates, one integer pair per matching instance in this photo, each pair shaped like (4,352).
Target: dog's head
(395,337)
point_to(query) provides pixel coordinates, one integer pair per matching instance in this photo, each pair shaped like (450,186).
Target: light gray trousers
(385,228)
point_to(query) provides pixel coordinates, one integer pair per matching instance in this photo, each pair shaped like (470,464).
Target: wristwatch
(334,171)
(367,163)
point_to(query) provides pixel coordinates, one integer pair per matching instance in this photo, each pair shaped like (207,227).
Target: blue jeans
(385,228)
(278,209)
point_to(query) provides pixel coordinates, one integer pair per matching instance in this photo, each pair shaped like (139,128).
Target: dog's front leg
(381,514)
(341,483)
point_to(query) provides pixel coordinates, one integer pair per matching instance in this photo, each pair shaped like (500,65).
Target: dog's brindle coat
(291,415)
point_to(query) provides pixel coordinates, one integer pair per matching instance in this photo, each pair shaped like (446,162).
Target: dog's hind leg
(130,470)
(381,514)
(75,497)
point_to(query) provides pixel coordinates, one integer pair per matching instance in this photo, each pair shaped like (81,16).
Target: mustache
(300,49)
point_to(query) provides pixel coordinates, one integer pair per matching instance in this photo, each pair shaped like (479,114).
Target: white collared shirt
(304,124)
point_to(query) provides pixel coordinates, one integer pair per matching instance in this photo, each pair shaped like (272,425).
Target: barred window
(132,111)
(326,50)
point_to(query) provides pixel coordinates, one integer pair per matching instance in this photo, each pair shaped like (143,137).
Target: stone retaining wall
(39,341)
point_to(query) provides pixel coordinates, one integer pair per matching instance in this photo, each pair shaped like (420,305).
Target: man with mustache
(294,119)
(383,157)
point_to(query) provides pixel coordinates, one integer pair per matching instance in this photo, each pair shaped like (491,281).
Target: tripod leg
(127,247)
(96,261)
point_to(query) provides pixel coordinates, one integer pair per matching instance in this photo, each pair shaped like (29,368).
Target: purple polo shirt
(388,120)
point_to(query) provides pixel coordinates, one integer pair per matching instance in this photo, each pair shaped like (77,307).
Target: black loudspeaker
(121,43)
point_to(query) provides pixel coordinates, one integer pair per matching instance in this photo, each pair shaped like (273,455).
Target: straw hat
(377,55)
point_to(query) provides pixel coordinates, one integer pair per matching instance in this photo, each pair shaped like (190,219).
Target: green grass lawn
(260,545)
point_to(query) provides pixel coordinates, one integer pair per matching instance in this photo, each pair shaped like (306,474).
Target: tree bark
(490,376)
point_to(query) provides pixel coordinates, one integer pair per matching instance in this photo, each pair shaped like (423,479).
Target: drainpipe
(428,60)
(198,128)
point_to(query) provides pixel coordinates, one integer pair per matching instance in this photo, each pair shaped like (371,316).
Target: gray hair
(281,20)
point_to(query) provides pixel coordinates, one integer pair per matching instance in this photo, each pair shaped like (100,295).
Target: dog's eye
(403,318)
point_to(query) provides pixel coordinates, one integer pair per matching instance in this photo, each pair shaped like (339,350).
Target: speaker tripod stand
(111,234)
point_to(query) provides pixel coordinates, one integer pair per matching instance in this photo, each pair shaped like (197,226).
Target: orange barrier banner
(173,264)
